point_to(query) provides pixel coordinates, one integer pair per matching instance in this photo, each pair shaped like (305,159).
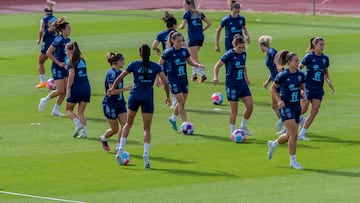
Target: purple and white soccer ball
(51,84)
(187,128)
(238,136)
(217,98)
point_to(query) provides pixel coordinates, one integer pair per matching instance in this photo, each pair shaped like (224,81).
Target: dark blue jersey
(194,21)
(290,86)
(47,22)
(114,100)
(163,37)
(235,65)
(81,77)
(270,64)
(232,26)
(315,69)
(59,43)
(176,65)
(143,80)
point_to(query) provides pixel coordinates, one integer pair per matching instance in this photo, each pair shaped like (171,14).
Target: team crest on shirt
(240,22)
(324,61)
(299,77)
(184,53)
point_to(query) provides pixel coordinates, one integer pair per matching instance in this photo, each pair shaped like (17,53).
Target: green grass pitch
(44,160)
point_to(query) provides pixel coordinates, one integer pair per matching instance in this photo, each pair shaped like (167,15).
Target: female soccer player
(177,56)
(264,45)
(236,82)
(234,23)
(56,53)
(78,88)
(194,19)
(291,82)
(162,37)
(47,36)
(317,65)
(114,106)
(142,95)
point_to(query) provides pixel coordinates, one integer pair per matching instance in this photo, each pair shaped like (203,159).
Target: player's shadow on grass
(103,120)
(209,111)
(130,142)
(225,138)
(184,172)
(322,138)
(266,104)
(335,173)
(163,159)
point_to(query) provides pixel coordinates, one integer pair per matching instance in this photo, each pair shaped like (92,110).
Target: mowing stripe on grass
(39,197)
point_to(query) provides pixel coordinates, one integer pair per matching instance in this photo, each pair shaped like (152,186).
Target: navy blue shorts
(288,113)
(113,112)
(234,94)
(314,94)
(179,87)
(192,42)
(79,94)
(146,103)
(58,72)
(44,47)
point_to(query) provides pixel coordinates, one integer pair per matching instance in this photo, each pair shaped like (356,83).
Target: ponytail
(169,19)
(145,55)
(194,12)
(112,57)
(313,42)
(76,56)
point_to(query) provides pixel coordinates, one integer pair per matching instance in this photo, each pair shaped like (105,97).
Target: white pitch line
(39,197)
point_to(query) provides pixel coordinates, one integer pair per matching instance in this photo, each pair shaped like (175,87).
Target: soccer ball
(125,158)
(238,136)
(51,84)
(187,128)
(217,98)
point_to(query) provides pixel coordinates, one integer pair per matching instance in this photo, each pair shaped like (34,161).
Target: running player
(56,53)
(47,36)
(264,45)
(78,88)
(291,82)
(193,18)
(317,65)
(114,106)
(142,95)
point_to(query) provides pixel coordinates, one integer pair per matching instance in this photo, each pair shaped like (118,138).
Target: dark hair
(283,57)
(60,24)
(145,55)
(172,36)
(112,57)
(237,39)
(169,19)
(76,56)
(235,5)
(313,42)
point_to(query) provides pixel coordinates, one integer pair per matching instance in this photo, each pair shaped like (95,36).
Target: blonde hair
(50,4)
(193,10)
(265,40)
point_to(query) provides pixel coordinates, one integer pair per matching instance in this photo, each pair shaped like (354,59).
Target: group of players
(291,89)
